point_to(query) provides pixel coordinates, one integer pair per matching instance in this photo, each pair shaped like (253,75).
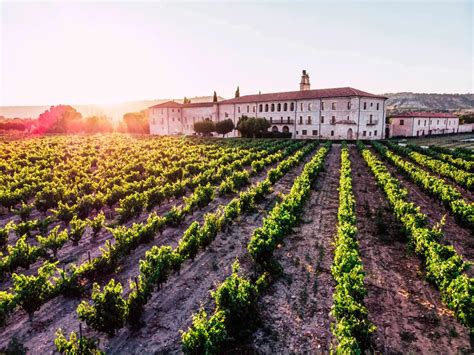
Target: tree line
(249,127)
(66,119)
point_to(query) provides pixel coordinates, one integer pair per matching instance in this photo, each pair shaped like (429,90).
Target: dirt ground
(461,238)
(295,310)
(406,309)
(171,308)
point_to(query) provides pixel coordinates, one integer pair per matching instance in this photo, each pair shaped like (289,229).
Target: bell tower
(304,84)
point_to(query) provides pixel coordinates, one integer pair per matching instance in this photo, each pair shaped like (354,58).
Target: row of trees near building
(249,127)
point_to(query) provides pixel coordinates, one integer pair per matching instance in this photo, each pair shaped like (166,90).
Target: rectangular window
(333,106)
(364,133)
(425,123)
(304,132)
(402,122)
(301,119)
(238,109)
(322,106)
(309,119)
(370,134)
(322,119)
(418,122)
(349,105)
(254,109)
(248,108)
(371,104)
(378,106)
(301,107)
(332,133)
(437,121)
(315,132)
(365,105)
(375,132)
(333,120)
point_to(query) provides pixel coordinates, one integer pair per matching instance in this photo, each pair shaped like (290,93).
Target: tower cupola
(304,83)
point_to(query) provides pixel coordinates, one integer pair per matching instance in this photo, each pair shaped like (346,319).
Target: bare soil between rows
(295,310)
(460,237)
(171,308)
(406,309)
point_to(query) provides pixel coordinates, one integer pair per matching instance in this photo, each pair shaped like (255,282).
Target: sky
(108,52)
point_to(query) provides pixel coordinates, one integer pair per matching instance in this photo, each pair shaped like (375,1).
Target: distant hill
(116,111)
(403,101)
(397,102)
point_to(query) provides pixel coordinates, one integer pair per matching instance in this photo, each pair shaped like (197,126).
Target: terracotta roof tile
(171,104)
(424,115)
(302,94)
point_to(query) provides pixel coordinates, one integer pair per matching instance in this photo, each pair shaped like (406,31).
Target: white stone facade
(341,113)
(423,124)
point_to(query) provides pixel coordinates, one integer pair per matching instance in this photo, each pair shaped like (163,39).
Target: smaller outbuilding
(417,124)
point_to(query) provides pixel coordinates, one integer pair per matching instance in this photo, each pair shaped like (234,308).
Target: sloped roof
(302,94)
(424,115)
(170,104)
(199,104)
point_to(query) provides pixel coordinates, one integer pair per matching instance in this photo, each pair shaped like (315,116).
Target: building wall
(314,118)
(337,118)
(422,126)
(465,128)
(196,114)
(165,120)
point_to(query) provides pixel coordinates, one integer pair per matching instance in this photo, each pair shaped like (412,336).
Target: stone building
(336,113)
(416,124)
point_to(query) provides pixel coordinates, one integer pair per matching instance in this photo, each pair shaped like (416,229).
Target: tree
(205,127)
(249,127)
(98,124)
(60,119)
(224,127)
(186,100)
(237,92)
(214,99)
(135,122)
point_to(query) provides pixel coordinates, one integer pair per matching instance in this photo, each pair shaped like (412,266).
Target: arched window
(285,107)
(292,106)
(309,107)
(274,129)
(279,107)
(260,108)
(309,119)
(273,107)
(301,119)
(266,107)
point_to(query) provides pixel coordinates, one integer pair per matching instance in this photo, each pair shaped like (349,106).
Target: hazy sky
(99,52)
